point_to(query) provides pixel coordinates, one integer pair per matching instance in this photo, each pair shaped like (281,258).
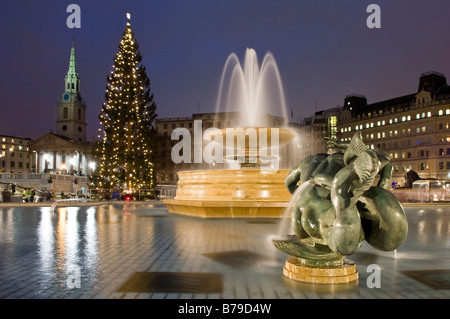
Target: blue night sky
(323,48)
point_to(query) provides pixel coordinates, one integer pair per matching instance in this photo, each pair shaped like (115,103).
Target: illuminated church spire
(72,79)
(71,118)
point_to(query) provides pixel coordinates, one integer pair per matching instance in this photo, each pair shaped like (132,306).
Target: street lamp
(35,163)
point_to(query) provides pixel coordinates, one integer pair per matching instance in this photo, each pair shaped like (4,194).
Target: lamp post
(36,164)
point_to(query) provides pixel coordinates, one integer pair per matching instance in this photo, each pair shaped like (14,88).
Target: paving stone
(115,247)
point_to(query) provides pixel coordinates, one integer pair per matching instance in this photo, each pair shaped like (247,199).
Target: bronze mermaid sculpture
(337,206)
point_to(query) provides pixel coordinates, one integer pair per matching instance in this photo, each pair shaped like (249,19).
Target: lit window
(441,112)
(408,118)
(378,123)
(429,114)
(371,124)
(403,118)
(356,127)
(390,121)
(423,114)
(361,127)
(424,129)
(447,111)
(395,120)
(417,116)
(383,122)
(367,125)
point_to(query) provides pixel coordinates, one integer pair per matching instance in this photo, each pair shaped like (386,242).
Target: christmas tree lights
(126,152)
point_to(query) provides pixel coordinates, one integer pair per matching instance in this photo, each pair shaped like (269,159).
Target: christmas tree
(126,153)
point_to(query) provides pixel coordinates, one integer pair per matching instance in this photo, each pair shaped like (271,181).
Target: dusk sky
(323,48)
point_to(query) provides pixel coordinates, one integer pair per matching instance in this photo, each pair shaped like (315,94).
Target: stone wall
(40,182)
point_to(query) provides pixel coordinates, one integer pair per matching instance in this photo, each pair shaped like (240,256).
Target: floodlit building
(414,129)
(15,155)
(67,150)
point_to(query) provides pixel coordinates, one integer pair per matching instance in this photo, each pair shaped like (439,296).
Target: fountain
(251,184)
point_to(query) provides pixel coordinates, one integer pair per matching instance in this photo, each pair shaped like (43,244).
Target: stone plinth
(242,193)
(295,270)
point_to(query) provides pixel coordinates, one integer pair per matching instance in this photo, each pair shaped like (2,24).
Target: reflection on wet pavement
(117,249)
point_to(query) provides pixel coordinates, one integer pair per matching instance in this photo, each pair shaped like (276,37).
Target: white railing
(9,177)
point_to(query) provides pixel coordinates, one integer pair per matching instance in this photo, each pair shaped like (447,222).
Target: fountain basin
(241,193)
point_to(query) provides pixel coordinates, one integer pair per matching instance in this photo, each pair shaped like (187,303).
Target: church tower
(71,117)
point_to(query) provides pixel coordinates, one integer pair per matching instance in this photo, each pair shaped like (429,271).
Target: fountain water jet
(250,189)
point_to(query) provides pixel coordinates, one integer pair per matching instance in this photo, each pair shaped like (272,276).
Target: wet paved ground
(138,251)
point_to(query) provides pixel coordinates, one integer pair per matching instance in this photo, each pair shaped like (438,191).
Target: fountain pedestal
(296,270)
(242,193)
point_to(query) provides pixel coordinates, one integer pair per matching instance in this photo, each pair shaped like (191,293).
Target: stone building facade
(414,129)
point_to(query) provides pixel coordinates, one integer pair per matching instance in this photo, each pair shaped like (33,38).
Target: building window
(441,112)
(441,166)
(448,166)
(165,126)
(422,166)
(441,151)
